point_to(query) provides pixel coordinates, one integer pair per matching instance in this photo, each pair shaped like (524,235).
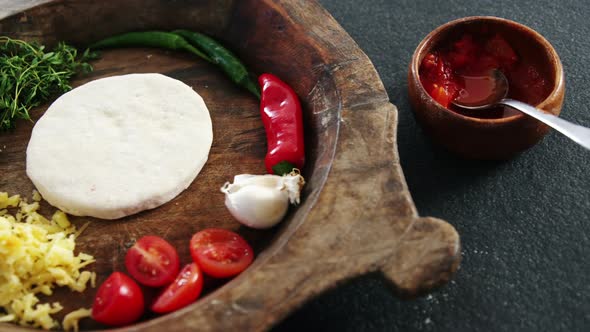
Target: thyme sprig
(29,76)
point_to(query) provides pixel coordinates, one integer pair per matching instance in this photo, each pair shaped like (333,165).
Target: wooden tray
(357,215)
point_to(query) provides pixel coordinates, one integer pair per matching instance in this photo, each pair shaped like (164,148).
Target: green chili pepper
(222,57)
(159,39)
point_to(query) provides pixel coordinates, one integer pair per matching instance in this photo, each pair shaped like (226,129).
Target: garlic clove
(261,201)
(257,206)
(267,180)
(292,183)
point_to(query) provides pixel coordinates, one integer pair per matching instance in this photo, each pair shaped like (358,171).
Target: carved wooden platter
(356,216)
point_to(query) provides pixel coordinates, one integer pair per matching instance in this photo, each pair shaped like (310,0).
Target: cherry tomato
(182,292)
(152,261)
(118,301)
(220,253)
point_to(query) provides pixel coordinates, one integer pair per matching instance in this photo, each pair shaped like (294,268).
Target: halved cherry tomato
(118,301)
(182,292)
(152,261)
(221,253)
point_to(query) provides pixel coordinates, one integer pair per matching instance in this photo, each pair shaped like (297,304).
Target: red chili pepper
(282,118)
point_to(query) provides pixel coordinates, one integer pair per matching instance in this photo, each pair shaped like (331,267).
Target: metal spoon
(497,84)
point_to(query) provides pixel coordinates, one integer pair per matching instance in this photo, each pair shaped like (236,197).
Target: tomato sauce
(442,73)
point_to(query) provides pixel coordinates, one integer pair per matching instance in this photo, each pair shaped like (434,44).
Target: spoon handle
(577,133)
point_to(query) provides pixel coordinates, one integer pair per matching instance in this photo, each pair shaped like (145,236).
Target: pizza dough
(119,145)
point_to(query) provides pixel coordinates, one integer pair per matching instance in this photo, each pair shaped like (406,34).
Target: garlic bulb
(261,201)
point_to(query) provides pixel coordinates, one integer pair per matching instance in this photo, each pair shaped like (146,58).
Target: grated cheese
(71,320)
(36,255)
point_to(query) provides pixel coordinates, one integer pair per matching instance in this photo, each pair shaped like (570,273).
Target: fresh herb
(29,76)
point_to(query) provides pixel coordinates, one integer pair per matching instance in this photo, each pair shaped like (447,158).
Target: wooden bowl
(479,138)
(356,215)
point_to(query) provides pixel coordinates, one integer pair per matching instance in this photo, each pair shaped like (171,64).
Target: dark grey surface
(524,223)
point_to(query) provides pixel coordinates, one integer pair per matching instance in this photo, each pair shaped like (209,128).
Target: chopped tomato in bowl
(459,60)
(442,72)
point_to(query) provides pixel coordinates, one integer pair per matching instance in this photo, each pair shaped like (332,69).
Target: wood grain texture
(357,215)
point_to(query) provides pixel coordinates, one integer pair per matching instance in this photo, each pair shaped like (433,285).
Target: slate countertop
(524,223)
